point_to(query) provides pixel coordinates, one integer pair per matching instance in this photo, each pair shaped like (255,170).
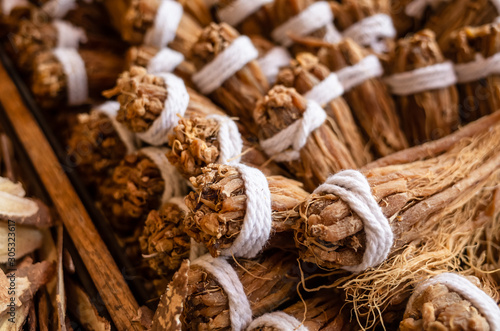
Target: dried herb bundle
(198,9)
(164,244)
(303,74)
(195,144)
(430,114)
(410,15)
(369,101)
(257,23)
(239,93)
(331,235)
(218,206)
(142,99)
(49,83)
(323,153)
(478,97)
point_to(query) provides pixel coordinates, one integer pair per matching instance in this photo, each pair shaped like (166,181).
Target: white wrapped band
(8,5)
(239,10)
(240,311)
(332,35)
(166,60)
(76,75)
(58,8)
(477,69)
(175,185)
(165,26)
(176,104)
(370,30)
(327,90)
(353,188)
(416,8)
(227,63)
(496,3)
(314,17)
(229,137)
(272,61)
(432,77)
(295,135)
(258,220)
(365,69)
(278,320)
(110,109)
(480,300)
(68,35)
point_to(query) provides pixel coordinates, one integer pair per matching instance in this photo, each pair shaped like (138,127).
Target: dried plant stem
(258,23)
(199,10)
(218,206)
(426,115)
(370,101)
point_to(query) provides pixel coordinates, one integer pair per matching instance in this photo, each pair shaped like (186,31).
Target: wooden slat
(106,276)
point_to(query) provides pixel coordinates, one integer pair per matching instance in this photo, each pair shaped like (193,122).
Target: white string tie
(110,109)
(432,77)
(239,10)
(231,60)
(371,30)
(416,8)
(277,320)
(257,222)
(353,188)
(272,61)
(327,90)
(58,8)
(229,137)
(8,5)
(68,35)
(240,311)
(175,185)
(477,69)
(166,60)
(294,136)
(176,104)
(314,17)
(496,4)
(369,67)
(479,299)
(164,28)
(76,75)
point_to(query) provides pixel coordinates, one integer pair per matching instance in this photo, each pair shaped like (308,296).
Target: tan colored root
(257,24)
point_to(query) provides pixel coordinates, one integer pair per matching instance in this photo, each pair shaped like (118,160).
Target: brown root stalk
(218,206)
(303,74)
(239,93)
(142,97)
(199,10)
(323,154)
(49,82)
(370,101)
(426,115)
(258,23)
(95,147)
(331,235)
(194,145)
(481,97)
(405,24)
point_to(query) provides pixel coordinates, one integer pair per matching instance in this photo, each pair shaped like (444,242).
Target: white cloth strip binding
(479,299)
(496,3)
(110,109)
(277,320)
(229,137)
(416,8)
(294,136)
(272,61)
(226,64)
(240,312)
(314,17)
(370,30)
(166,60)
(239,10)
(76,75)
(258,220)
(8,5)
(327,90)
(353,188)
(175,185)
(365,69)
(176,104)
(165,25)
(68,35)
(477,69)
(432,77)
(58,8)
